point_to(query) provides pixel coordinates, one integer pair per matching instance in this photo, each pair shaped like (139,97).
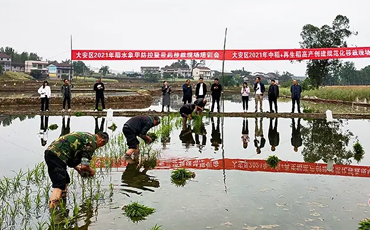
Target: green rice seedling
(111,188)
(29,176)
(364,224)
(53,127)
(113,127)
(38,200)
(137,212)
(273,161)
(17,180)
(179,177)
(153,136)
(41,225)
(157,227)
(358,152)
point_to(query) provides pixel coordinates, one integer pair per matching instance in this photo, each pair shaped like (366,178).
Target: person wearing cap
(74,150)
(138,126)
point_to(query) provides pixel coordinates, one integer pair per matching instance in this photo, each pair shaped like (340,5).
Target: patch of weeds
(157,227)
(308,110)
(100,109)
(179,177)
(364,224)
(78,114)
(137,212)
(53,127)
(113,127)
(273,161)
(358,152)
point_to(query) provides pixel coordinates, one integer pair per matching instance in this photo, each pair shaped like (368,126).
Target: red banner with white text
(230,55)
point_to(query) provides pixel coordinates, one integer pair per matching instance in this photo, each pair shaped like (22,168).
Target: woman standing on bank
(166,100)
(45,94)
(245,96)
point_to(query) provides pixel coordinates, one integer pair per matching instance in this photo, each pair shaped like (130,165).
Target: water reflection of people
(296,140)
(136,178)
(200,132)
(258,133)
(97,128)
(65,129)
(245,133)
(44,129)
(274,136)
(216,135)
(186,136)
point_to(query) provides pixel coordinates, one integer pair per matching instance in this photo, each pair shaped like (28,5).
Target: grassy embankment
(15,76)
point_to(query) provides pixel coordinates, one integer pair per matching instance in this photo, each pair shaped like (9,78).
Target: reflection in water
(274,136)
(200,132)
(326,141)
(259,140)
(296,139)
(97,128)
(43,134)
(65,129)
(6,120)
(134,177)
(245,133)
(216,135)
(186,137)
(166,131)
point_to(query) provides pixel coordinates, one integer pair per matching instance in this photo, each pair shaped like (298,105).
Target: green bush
(273,161)
(137,212)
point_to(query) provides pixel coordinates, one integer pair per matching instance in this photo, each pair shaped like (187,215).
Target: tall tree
(286,77)
(80,68)
(347,73)
(104,70)
(180,64)
(326,36)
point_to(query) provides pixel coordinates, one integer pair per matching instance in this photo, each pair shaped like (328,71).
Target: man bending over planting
(187,110)
(200,103)
(74,150)
(138,126)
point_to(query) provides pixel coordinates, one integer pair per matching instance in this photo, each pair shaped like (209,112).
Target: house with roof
(60,70)
(179,72)
(36,65)
(201,71)
(5,61)
(18,66)
(150,69)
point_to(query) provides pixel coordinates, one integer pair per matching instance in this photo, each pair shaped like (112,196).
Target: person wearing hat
(138,126)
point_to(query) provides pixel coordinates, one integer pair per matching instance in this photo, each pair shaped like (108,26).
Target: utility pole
(223,110)
(71,70)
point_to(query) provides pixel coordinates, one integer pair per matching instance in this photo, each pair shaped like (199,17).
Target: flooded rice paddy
(233,189)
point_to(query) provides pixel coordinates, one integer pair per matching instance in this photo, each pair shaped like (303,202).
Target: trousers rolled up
(97,99)
(258,99)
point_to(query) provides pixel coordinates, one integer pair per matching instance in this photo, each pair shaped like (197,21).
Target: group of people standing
(66,93)
(217,90)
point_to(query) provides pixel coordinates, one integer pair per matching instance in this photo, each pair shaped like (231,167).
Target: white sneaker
(63,110)
(47,110)
(69,110)
(95,110)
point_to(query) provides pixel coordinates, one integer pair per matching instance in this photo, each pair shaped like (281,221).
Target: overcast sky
(45,26)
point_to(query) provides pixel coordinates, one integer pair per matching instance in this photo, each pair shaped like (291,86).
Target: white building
(36,65)
(201,71)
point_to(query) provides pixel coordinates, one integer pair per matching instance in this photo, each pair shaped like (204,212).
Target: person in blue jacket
(296,91)
(187,92)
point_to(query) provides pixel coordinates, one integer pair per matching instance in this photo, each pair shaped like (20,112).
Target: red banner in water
(230,55)
(253,165)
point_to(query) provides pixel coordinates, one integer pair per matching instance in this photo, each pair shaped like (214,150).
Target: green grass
(15,76)
(53,127)
(273,161)
(364,225)
(137,212)
(345,93)
(179,177)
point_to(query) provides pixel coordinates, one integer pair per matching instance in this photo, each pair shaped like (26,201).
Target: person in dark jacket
(216,134)
(296,91)
(296,139)
(200,102)
(258,132)
(138,126)
(274,136)
(187,92)
(66,95)
(216,90)
(186,112)
(99,89)
(273,95)
(259,90)
(200,89)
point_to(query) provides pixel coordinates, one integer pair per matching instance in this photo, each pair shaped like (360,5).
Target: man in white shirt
(201,89)
(259,90)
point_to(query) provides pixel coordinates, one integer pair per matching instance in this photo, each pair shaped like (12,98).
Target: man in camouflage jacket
(74,150)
